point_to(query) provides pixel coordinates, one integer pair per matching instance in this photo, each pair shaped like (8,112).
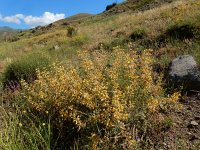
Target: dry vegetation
(95,104)
(99,91)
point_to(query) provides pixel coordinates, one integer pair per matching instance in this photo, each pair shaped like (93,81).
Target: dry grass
(91,33)
(154,21)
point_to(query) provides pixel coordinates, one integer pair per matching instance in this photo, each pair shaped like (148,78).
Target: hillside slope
(168,27)
(7,32)
(145,29)
(136,6)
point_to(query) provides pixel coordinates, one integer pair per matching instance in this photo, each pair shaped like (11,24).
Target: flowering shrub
(99,95)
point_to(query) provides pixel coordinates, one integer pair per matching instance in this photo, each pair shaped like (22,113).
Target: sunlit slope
(151,28)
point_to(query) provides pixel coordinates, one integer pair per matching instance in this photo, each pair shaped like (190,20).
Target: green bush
(122,42)
(108,7)
(71,31)
(138,34)
(181,31)
(24,68)
(78,40)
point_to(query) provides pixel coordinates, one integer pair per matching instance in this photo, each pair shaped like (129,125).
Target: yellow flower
(99,88)
(153,104)
(20,124)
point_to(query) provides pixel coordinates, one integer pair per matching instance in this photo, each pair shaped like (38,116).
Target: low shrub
(24,68)
(182,31)
(99,101)
(71,31)
(178,31)
(138,34)
(108,7)
(78,41)
(108,46)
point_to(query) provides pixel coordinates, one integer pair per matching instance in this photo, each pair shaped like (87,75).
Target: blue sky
(24,14)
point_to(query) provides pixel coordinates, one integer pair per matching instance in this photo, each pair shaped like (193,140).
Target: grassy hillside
(92,56)
(92,31)
(136,6)
(7,33)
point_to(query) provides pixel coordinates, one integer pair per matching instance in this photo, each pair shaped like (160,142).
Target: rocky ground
(184,134)
(1,120)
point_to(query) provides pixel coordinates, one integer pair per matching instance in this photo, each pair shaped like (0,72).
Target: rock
(194,123)
(38,27)
(33,31)
(56,47)
(183,71)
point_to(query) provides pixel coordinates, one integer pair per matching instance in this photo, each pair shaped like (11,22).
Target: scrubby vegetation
(24,68)
(138,34)
(94,82)
(71,31)
(95,103)
(110,6)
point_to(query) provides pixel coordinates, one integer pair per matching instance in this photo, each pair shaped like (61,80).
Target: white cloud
(20,16)
(33,21)
(45,19)
(12,19)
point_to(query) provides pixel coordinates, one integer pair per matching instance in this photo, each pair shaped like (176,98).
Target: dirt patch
(185,132)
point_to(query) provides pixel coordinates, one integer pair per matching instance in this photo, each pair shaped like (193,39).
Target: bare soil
(184,134)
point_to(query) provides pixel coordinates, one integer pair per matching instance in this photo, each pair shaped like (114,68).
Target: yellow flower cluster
(100,87)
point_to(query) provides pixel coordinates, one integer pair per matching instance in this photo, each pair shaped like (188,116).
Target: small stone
(189,133)
(56,47)
(194,123)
